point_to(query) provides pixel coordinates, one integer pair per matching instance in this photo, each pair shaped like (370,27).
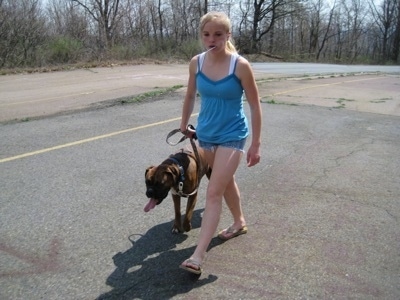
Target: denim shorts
(237,145)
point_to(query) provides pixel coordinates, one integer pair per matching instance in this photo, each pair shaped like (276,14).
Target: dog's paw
(187,226)
(175,230)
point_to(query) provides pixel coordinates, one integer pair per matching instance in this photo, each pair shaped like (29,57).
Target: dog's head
(159,180)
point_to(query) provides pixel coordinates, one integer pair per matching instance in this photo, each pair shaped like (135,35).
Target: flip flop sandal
(231,232)
(191,269)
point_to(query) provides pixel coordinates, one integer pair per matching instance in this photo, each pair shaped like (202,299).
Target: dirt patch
(376,93)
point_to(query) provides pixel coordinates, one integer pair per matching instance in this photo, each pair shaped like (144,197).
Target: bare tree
(22,32)
(385,18)
(66,19)
(76,30)
(185,20)
(320,25)
(327,34)
(70,39)
(354,13)
(396,36)
(136,20)
(106,15)
(264,14)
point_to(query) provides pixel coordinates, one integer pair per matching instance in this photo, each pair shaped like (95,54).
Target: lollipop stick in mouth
(210,49)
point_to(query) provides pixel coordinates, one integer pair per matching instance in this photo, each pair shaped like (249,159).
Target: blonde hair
(223,19)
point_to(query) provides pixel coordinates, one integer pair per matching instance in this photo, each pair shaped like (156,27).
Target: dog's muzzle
(155,198)
(158,195)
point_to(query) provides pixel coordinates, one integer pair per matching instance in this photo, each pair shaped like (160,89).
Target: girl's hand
(253,155)
(189,132)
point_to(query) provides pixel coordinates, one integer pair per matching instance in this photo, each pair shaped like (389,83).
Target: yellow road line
(95,138)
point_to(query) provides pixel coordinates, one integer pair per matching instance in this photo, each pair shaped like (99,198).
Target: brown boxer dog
(180,173)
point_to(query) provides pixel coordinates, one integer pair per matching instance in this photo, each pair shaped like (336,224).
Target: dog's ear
(148,169)
(168,178)
(169,175)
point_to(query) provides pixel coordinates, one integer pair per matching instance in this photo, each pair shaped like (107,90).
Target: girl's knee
(215,193)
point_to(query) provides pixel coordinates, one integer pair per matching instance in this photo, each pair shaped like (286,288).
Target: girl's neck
(215,56)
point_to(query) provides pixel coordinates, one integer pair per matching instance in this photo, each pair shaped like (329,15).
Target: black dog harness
(180,192)
(181,170)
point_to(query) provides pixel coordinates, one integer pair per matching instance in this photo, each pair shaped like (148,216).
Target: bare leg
(224,162)
(232,199)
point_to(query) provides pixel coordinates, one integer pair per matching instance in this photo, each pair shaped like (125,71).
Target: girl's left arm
(246,76)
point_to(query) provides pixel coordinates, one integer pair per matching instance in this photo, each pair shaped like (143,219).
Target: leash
(175,131)
(196,153)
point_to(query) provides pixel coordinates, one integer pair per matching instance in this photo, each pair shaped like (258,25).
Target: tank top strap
(200,61)
(232,66)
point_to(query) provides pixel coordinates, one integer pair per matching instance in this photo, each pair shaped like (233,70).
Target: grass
(272,101)
(150,95)
(383,100)
(341,102)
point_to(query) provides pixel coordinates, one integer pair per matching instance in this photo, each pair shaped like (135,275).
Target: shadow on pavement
(150,268)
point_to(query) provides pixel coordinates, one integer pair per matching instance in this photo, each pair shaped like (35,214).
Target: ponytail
(230,46)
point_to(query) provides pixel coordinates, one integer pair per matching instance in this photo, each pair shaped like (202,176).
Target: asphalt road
(27,96)
(322,206)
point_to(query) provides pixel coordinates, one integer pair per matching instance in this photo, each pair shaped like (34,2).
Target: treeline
(37,33)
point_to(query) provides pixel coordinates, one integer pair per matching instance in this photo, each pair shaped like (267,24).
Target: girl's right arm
(188,104)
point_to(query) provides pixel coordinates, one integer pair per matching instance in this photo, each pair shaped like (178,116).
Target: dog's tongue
(149,206)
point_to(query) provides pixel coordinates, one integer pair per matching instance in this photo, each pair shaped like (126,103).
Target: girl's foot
(230,233)
(191,265)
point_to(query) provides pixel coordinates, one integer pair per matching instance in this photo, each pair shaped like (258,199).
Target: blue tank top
(221,118)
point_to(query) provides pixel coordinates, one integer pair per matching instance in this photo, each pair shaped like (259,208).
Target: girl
(221,76)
